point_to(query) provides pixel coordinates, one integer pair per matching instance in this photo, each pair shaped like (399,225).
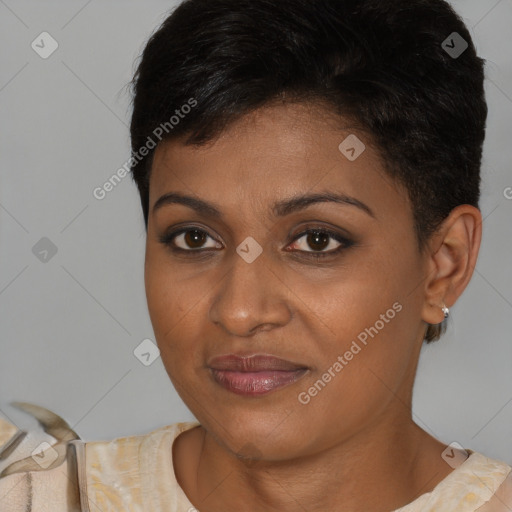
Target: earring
(445,310)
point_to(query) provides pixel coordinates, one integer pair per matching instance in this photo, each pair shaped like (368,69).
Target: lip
(253,363)
(254,375)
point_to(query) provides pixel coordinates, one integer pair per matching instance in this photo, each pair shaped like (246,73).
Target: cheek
(362,358)
(177,308)
(169,308)
(369,316)
(363,328)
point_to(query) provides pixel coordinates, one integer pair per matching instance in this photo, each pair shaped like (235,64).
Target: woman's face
(248,283)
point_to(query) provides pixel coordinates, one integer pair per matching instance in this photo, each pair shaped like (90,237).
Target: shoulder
(477,483)
(125,452)
(482,484)
(37,470)
(56,471)
(127,473)
(498,478)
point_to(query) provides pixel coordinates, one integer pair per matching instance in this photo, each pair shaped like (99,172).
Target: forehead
(276,152)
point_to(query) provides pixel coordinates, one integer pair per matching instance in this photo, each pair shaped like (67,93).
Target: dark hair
(393,67)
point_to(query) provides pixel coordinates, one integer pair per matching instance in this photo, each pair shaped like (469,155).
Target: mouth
(254,375)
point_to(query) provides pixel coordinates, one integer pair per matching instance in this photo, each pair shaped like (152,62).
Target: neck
(385,466)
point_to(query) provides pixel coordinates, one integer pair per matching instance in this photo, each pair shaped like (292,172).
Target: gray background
(69,325)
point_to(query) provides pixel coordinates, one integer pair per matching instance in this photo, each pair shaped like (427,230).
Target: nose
(250,298)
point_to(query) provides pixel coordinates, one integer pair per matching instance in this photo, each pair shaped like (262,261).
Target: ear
(453,251)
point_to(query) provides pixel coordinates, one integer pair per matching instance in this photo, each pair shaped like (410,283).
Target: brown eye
(195,238)
(188,240)
(318,240)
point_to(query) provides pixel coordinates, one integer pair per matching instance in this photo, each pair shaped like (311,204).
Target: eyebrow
(279,208)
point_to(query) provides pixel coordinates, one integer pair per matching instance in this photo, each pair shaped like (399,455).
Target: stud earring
(445,310)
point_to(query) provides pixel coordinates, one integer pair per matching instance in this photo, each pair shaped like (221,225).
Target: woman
(309,176)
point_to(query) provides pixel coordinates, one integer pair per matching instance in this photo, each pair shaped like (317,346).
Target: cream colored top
(136,474)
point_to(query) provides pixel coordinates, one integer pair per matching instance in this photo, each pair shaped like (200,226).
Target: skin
(273,452)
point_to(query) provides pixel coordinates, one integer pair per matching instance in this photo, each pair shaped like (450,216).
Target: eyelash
(168,240)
